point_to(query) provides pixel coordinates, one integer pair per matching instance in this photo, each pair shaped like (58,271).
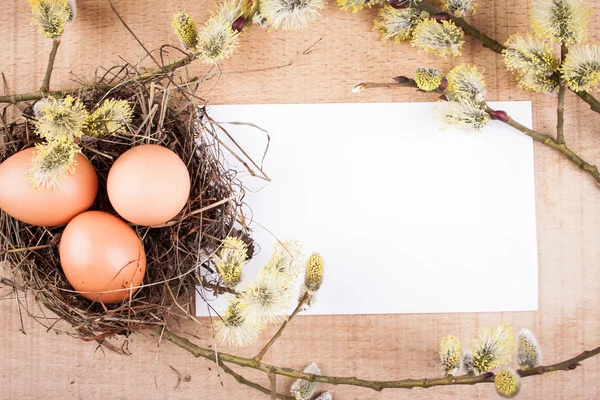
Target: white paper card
(411,216)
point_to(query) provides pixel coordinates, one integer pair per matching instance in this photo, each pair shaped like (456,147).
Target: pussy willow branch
(305,298)
(392,85)
(560,112)
(161,71)
(497,47)
(542,138)
(46,82)
(16,98)
(380,85)
(141,43)
(243,381)
(273,380)
(550,142)
(196,351)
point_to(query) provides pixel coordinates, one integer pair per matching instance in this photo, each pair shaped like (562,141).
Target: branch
(161,71)
(566,365)
(588,98)
(197,351)
(148,52)
(46,83)
(393,85)
(243,381)
(497,47)
(16,98)
(273,380)
(560,147)
(544,139)
(301,304)
(560,112)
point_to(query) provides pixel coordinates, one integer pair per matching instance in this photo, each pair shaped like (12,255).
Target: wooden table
(273,67)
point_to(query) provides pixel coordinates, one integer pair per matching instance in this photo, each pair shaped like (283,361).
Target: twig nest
(205,210)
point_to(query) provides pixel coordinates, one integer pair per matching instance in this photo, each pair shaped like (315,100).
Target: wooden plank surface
(273,67)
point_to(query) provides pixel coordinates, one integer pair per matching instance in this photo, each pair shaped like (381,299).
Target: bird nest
(178,252)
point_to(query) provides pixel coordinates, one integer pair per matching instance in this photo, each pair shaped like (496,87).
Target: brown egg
(148,185)
(101,257)
(46,207)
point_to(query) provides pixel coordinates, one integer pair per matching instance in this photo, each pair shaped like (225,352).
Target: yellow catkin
(355,6)
(581,68)
(50,16)
(185,29)
(52,163)
(493,348)
(398,24)
(525,53)
(302,389)
(465,82)
(464,114)
(64,118)
(267,298)
(313,277)
(290,15)
(561,21)
(538,82)
(450,355)
(529,353)
(217,40)
(110,118)
(230,260)
(460,8)
(428,79)
(442,39)
(233,329)
(507,383)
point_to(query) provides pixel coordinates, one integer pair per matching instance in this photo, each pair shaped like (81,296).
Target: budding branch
(497,47)
(546,140)
(196,351)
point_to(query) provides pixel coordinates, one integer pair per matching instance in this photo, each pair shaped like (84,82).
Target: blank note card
(411,216)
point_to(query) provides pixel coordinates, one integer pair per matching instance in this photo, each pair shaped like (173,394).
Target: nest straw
(178,252)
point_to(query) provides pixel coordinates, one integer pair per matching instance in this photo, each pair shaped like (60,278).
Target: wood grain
(273,67)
